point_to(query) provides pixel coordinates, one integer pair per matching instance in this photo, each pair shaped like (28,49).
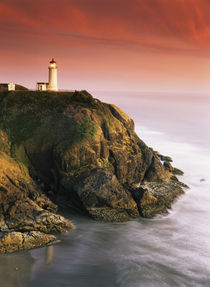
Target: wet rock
(157,198)
(172,169)
(164,158)
(25,208)
(168,166)
(105,198)
(157,172)
(177,171)
(16,241)
(27,216)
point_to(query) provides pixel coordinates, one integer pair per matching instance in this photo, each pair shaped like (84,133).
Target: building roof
(4,84)
(52,61)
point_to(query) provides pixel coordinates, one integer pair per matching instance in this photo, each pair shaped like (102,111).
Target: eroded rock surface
(16,241)
(156,198)
(105,198)
(27,216)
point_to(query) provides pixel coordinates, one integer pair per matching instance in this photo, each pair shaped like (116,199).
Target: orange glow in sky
(116,45)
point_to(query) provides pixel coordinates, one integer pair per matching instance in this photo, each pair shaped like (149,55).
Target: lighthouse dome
(52,61)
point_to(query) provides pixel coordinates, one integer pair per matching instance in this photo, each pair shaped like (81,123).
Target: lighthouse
(53,83)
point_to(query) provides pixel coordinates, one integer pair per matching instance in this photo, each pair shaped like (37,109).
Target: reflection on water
(166,251)
(49,254)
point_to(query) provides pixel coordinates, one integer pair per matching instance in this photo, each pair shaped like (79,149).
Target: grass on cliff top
(41,118)
(45,100)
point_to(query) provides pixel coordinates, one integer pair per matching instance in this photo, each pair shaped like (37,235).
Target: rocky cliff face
(71,146)
(25,211)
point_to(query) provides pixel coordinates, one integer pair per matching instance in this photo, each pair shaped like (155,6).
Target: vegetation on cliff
(72,146)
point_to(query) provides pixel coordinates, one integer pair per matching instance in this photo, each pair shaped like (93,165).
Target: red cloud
(177,24)
(11,15)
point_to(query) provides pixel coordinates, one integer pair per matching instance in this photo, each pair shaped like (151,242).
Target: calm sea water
(173,250)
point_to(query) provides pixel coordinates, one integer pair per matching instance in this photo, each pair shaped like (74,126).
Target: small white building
(7,87)
(53,83)
(42,86)
(11,87)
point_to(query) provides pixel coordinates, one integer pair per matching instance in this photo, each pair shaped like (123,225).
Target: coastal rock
(105,198)
(28,216)
(177,171)
(80,151)
(163,157)
(170,168)
(16,241)
(156,172)
(24,208)
(156,198)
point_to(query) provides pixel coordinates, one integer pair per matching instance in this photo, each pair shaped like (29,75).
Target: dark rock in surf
(105,198)
(157,198)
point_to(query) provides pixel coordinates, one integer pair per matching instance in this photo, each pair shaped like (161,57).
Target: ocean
(166,251)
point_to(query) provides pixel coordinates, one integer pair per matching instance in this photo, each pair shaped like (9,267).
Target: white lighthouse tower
(53,83)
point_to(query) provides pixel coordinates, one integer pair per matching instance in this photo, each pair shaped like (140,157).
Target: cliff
(74,148)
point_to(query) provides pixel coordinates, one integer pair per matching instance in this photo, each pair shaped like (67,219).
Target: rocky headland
(72,148)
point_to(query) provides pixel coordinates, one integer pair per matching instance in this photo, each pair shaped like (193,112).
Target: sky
(108,45)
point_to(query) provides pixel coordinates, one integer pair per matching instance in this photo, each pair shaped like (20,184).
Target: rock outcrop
(73,147)
(105,198)
(27,216)
(16,241)
(156,198)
